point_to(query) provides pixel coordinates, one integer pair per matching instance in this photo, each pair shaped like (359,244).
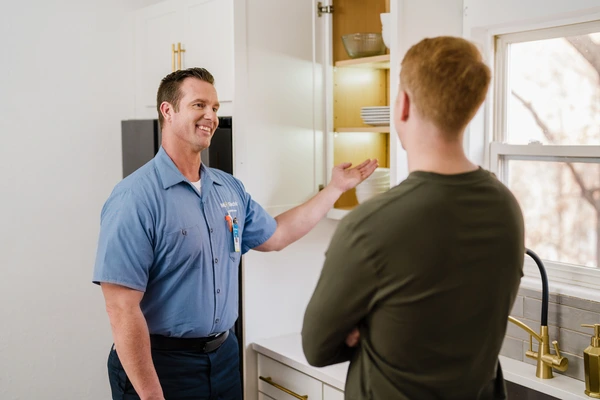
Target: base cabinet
(262,396)
(331,393)
(284,383)
(278,381)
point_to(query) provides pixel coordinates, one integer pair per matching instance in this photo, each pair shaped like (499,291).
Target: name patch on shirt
(227,204)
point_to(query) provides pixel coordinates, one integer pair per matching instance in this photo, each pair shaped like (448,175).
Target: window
(546,141)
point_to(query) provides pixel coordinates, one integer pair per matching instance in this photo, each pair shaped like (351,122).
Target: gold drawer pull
(285,390)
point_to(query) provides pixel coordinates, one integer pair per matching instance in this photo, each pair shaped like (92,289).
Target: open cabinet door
(279,128)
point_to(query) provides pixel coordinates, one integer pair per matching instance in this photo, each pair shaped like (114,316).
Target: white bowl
(372,180)
(362,197)
(372,190)
(376,186)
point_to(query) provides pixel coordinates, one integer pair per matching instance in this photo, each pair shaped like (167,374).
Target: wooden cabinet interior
(358,83)
(355,16)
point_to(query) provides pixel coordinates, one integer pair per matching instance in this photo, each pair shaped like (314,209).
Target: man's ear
(404,106)
(166,109)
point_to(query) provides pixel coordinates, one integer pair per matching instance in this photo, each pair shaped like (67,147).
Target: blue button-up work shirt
(159,235)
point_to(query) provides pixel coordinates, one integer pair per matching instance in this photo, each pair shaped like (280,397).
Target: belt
(205,345)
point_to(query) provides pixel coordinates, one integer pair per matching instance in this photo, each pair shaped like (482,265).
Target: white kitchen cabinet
(157,29)
(262,396)
(284,117)
(355,83)
(208,37)
(331,393)
(282,382)
(179,34)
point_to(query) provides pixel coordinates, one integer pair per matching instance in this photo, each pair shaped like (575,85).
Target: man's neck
(433,154)
(186,160)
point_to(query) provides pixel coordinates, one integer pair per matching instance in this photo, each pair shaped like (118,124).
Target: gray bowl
(363,44)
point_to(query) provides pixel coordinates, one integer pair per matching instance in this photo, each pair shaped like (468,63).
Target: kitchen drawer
(262,396)
(286,378)
(330,393)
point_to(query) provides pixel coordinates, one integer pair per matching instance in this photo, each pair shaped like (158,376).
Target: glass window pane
(561,223)
(554,91)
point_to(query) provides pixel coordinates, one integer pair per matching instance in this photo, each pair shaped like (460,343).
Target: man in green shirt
(418,282)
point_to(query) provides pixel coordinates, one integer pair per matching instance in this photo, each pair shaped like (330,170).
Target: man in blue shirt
(172,234)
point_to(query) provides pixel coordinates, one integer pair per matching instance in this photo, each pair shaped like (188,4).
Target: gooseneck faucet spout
(545,360)
(544,277)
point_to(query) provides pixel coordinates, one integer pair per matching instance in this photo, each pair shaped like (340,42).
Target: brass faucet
(545,360)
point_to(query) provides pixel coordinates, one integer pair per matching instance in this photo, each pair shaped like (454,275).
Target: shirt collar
(171,176)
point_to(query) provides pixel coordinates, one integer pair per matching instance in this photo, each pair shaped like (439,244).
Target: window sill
(564,281)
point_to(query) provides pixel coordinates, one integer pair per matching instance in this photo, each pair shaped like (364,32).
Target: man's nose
(211,115)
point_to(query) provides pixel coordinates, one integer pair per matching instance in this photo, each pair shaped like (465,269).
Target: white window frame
(568,279)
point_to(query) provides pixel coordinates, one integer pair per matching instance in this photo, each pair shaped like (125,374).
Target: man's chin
(203,145)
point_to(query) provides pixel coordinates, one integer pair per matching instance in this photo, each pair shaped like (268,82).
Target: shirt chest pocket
(182,248)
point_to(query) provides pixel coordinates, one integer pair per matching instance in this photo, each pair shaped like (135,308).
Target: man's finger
(345,165)
(363,164)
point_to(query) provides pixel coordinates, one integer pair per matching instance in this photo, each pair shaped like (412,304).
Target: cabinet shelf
(374,129)
(375,62)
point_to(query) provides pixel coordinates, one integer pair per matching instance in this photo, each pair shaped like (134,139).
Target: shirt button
(217,320)
(216,260)
(218,290)
(183,232)
(211,230)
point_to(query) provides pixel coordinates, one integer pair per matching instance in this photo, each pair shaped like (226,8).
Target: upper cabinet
(358,115)
(179,34)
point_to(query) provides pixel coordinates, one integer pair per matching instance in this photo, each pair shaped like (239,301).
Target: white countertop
(288,350)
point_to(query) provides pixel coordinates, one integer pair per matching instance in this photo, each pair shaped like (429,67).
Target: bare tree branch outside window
(560,225)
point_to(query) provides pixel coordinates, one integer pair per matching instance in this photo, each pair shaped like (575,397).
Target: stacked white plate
(376,116)
(377,183)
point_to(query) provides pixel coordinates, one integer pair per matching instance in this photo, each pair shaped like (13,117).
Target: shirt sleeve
(342,298)
(259,225)
(125,252)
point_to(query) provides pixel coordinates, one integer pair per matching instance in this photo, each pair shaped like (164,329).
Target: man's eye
(215,109)
(201,105)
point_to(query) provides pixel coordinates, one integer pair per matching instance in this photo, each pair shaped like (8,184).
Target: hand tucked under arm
(353,338)
(132,340)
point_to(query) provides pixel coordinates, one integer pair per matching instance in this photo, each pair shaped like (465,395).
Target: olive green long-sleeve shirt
(428,271)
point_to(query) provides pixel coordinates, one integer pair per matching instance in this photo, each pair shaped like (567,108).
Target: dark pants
(186,375)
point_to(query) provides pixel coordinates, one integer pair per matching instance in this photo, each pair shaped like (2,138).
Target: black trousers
(186,375)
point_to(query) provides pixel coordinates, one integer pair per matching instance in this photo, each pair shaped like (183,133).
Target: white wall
(66,83)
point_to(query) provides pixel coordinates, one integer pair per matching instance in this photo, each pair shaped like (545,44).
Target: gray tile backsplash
(560,315)
(517,310)
(565,316)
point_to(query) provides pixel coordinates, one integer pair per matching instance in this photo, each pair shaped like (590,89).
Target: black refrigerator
(141,138)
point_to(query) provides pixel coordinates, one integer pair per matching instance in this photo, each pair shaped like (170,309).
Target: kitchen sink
(518,392)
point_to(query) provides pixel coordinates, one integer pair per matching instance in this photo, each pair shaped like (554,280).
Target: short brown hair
(446,79)
(168,90)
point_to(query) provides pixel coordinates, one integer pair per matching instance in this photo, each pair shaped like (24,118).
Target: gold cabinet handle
(179,51)
(173,52)
(285,390)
